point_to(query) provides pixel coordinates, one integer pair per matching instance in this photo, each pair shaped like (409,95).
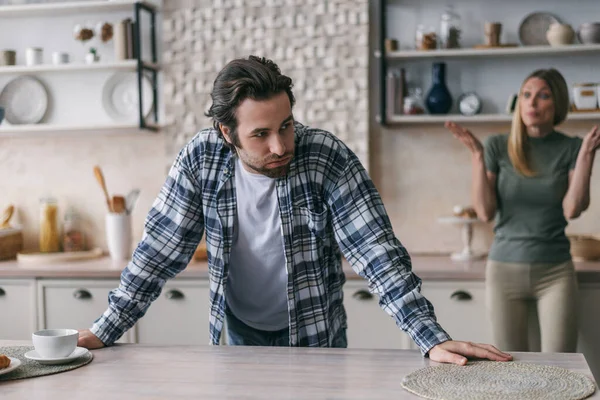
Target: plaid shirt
(328,207)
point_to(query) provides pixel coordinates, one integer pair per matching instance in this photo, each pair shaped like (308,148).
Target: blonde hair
(517,140)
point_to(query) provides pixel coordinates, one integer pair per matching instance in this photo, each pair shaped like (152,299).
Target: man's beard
(276,172)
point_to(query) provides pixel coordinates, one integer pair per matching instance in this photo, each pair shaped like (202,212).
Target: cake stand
(466,225)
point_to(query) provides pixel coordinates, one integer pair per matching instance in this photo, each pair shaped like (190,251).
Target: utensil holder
(118,236)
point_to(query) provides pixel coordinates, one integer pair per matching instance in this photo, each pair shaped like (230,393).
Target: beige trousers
(511,288)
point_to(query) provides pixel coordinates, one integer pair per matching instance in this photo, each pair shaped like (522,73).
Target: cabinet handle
(362,294)
(82,294)
(174,294)
(2,292)
(461,295)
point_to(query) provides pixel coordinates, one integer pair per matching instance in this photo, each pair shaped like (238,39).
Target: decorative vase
(560,34)
(439,99)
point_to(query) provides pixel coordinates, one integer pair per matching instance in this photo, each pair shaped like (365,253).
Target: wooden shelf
(69,7)
(128,65)
(477,119)
(61,130)
(495,52)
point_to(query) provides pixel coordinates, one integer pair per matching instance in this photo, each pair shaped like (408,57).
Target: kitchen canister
(585,96)
(34,56)
(60,58)
(118,236)
(8,57)
(120,40)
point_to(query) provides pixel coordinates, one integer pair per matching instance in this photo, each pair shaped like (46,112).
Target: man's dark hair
(255,78)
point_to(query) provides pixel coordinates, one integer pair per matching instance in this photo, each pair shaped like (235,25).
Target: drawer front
(179,316)
(17,309)
(74,304)
(369,327)
(460,309)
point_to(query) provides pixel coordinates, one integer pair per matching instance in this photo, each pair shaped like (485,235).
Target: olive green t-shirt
(530,224)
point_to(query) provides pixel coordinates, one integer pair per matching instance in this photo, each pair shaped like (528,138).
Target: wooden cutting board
(53,258)
(500,46)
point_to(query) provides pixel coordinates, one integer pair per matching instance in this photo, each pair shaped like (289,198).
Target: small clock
(469,103)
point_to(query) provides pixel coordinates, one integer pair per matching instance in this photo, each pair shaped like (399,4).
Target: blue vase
(439,99)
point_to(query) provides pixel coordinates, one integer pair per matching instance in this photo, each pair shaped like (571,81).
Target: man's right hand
(88,340)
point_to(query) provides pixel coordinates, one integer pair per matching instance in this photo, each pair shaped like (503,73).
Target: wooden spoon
(118,204)
(6,216)
(100,179)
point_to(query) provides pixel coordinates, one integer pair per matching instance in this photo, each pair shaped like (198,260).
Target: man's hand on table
(456,352)
(88,340)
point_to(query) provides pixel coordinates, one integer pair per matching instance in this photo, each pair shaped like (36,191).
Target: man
(280,203)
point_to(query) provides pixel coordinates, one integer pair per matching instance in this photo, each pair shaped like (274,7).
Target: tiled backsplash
(322,46)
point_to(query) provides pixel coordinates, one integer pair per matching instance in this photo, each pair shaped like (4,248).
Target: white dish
(78,352)
(14,364)
(120,96)
(25,100)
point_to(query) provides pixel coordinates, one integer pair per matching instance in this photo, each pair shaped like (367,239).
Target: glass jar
(450,29)
(73,237)
(49,237)
(425,39)
(413,104)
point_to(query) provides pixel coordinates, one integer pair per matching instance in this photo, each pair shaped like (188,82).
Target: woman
(533,181)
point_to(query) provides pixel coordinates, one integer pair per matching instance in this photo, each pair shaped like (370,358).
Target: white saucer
(78,352)
(14,364)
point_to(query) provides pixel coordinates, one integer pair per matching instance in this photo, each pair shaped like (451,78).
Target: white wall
(33,167)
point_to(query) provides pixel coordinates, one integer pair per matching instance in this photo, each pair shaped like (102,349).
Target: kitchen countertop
(135,371)
(427,267)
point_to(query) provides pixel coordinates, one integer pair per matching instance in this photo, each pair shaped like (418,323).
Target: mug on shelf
(34,56)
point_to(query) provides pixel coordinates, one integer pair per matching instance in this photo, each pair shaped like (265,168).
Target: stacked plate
(25,100)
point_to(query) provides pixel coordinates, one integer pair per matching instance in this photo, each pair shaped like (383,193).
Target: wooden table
(134,371)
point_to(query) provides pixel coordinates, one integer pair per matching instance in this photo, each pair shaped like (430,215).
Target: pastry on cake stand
(465,217)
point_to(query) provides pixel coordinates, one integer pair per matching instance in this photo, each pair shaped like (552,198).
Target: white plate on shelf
(78,352)
(25,100)
(14,364)
(120,96)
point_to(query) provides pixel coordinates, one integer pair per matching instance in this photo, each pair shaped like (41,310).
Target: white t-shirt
(256,289)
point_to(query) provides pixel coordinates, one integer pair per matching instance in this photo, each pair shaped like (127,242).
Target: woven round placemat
(489,380)
(30,368)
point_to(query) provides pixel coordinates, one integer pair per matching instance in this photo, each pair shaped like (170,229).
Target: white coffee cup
(118,236)
(60,58)
(55,343)
(34,56)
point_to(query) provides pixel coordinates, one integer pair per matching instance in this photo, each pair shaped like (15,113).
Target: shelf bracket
(141,67)
(381,61)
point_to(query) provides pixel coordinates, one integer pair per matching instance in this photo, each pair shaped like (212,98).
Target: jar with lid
(450,29)
(413,104)
(425,39)
(49,235)
(73,237)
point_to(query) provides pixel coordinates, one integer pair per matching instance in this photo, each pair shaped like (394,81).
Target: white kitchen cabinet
(368,325)
(460,309)
(17,309)
(589,326)
(74,304)
(179,316)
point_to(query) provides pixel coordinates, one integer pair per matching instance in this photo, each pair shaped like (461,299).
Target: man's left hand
(455,352)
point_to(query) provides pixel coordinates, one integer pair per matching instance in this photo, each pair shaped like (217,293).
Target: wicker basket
(584,247)
(11,242)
